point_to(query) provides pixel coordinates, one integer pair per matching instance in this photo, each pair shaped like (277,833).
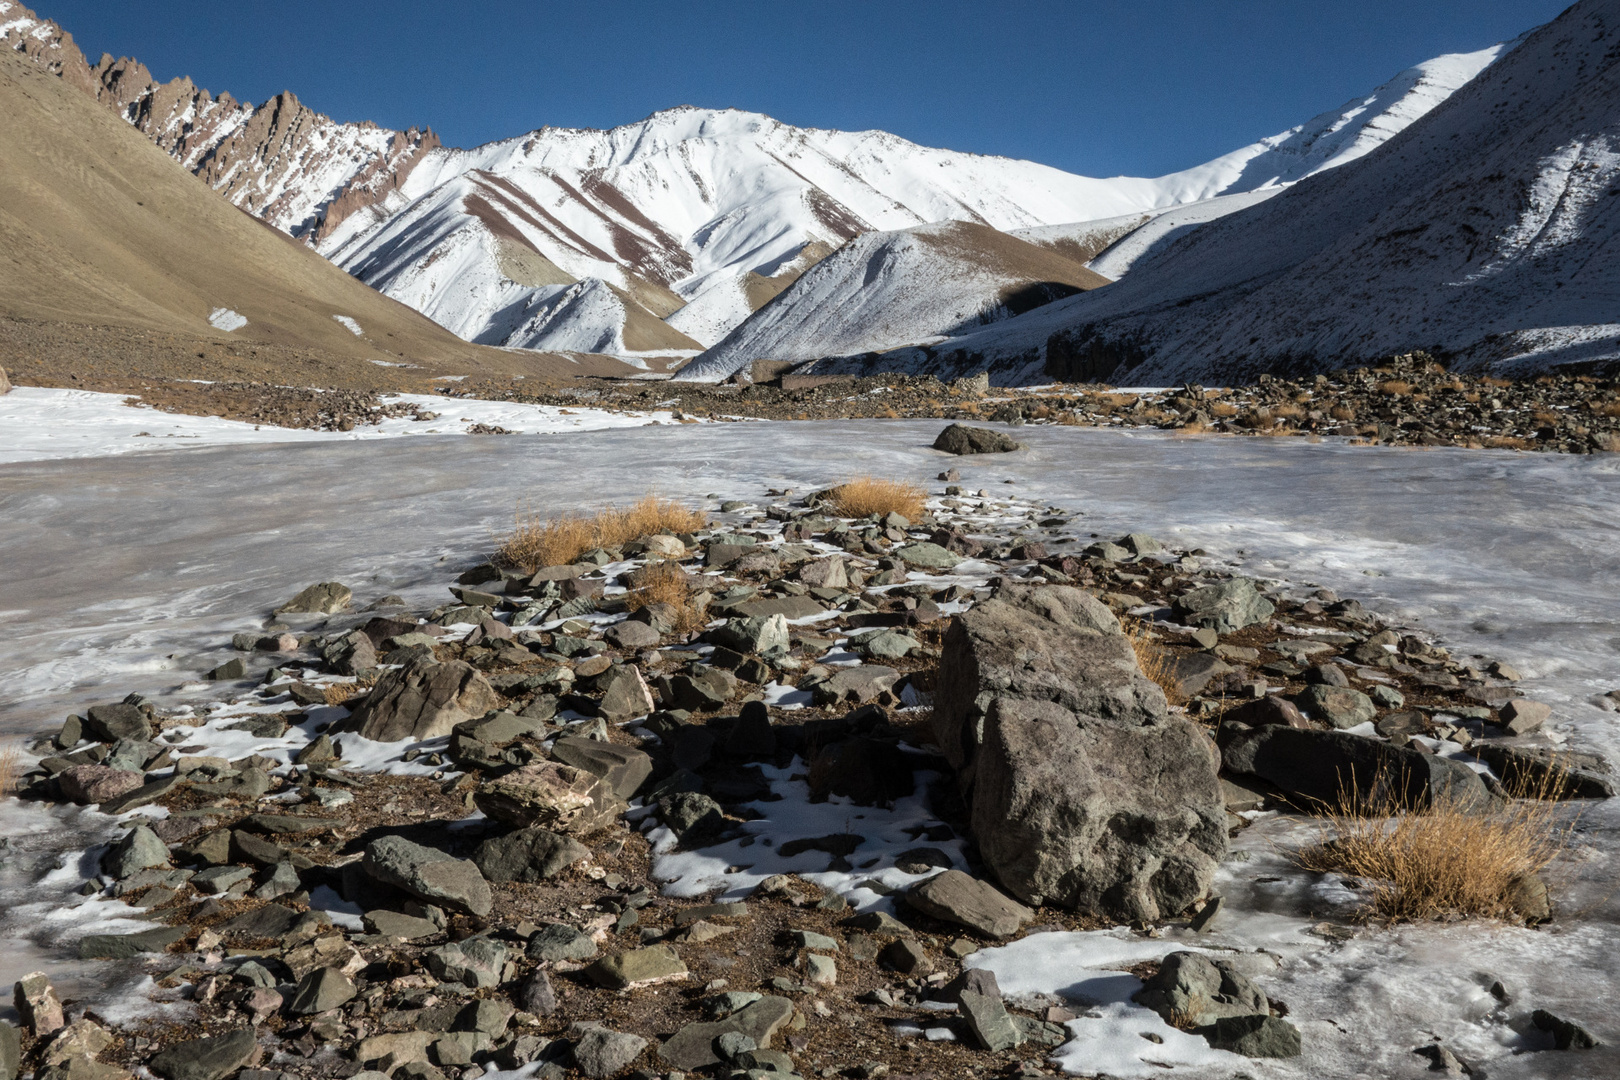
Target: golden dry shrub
(1288,412)
(1342,412)
(536,541)
(1606,408)
(1423,862)
(1223,409)
(664,583)
(1157,662)
(1395,388)
(866,495)
(11,767)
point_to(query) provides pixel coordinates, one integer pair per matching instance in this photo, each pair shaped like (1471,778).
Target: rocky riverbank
(1405,401)
(547,824)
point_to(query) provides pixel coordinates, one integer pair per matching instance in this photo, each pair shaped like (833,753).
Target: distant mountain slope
(1488,230)
(99,228)
(696,216)
(886,289)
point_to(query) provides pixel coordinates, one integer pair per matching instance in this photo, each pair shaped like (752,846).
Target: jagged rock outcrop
(1083,789)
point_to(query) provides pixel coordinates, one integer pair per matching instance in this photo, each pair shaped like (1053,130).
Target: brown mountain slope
(100,229)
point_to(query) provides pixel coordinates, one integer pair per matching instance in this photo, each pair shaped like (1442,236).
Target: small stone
(327,598)
(600,1053)
(537,996)
(1340,706)
(207,1059)
(965,900)
(428,874)
(1521,716)
(637,967)
(989,1020)
(693,1047)
(476,962)
(109,723)
(560,941)
(1256,1036)
(37,1005)
(1566,1034)
(809,939)
(907,957)
(820,970)
(139,849)
(1387,697)
(320,991)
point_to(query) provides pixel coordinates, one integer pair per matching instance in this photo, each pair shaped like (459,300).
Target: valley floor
(110,591)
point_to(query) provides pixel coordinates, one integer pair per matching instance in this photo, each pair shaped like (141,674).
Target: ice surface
(37,424)
(224,318)
(110,589)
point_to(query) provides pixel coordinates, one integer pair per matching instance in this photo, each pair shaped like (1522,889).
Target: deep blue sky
(1101,88)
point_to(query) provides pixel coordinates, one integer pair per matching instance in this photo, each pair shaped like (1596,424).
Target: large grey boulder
(601,1052)
(1323,767)
(327,598)
(960,898)
(553,796)
(961,439)
(1083,789)
(423,700)
(428,874)
(622,768)
(139,849)
(1224,608)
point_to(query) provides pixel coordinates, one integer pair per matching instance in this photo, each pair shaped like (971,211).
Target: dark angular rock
(1255,1036)
(693,1047)
(206,1059)
(428,874)
(528,855)
(1042,704)
(959,898)
(422,700)
(124,946)
(109,723)
(960,439)
(622,768)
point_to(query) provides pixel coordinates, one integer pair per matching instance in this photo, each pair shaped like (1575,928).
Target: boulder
(960,439)
(559,941)
(428,874)
(1320,767)
(828,573)
(206,1059)
(857,685)
(1521,716)
(423,700)
(1255,1036)
(552,796)
(10,1040)
(1062,746)
(528,855)
(926,555)
(476,962)
(124,946)
(1270,709)
(962,899)
(1224,608)
(327,598)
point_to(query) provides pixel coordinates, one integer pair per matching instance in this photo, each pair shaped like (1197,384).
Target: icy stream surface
(131,573)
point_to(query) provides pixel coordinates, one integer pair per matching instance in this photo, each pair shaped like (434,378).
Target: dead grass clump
(1395,388)
(1157,662)
(664,583)
(11,767)
(866,495)
(1491,380)
(1342,412)
(1424,862)
(1288,412)
(537,542)
(1544,418)
(1607,408)
(1223,409)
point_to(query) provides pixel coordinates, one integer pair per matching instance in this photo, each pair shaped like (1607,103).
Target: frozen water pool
(131,572)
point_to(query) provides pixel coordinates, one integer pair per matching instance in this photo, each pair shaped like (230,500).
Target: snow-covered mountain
(906,287)
(1488,230)
(664,235)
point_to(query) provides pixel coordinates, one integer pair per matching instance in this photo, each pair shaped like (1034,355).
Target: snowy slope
(887,289)
(701,201)
(1487,230)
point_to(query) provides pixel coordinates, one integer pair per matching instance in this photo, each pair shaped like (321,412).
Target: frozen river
(131,572)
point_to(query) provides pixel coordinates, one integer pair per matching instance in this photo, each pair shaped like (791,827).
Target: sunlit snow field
(130,572)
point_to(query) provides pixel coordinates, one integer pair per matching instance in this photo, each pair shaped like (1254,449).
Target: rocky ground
(1405,401)
(492,787)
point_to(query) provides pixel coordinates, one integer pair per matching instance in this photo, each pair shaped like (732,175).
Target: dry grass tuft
(1441,861)
(664,583)
(1395,388)
(1606,408)
(1223,409)
(866,495)
(11,767)
(537,542)
(1342,412)
(1506,442)
(1157,662)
